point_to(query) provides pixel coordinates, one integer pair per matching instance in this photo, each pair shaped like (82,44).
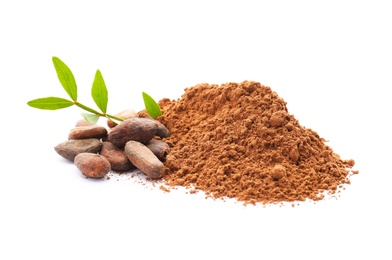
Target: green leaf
(50,103)
(66,78)
(91,118)
(152,107)
(99,92)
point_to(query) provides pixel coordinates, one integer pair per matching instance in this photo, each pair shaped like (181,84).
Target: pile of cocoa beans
(136,142)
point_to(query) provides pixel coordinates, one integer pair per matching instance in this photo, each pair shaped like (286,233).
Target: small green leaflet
(50,103)
(99,92)
(152,107)
(91,118)
(66,78)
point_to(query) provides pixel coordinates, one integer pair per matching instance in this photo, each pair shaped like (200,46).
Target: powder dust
(238,140)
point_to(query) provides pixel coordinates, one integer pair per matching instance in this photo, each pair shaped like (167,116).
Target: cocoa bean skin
(85,132)
(92,165)
(116,157)
(125,114)
(136,129)
(70,148)
(159,148)
(82,122)
(162,131)
(144,159)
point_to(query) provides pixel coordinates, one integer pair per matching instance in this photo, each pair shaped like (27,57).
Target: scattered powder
(237,140)
(165,189)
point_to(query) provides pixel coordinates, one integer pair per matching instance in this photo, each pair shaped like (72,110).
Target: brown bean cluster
(137,142)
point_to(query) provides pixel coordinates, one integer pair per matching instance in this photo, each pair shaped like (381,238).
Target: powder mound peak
(233,140)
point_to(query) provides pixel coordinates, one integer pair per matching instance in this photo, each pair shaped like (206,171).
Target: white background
(329,60)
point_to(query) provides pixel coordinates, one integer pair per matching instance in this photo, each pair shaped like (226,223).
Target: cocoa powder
(238,140)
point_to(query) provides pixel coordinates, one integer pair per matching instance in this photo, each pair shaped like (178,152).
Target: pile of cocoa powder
(238,140)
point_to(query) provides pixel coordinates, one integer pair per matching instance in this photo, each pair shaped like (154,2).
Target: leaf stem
(114,117)
(88,109)
(96,112)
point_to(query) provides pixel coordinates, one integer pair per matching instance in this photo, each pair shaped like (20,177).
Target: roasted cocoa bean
(82,122)
(136,129)
(162,131)
(144,159)
(159,148)
(126,114)
(92,165)
(70,148)
(85,132)
(116,157)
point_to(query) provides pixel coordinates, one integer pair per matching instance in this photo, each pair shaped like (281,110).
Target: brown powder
(238,141)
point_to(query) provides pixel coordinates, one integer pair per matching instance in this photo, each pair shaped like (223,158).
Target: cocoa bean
(85,132)
(144,159)
(70,148)
(136,129)
(159,148)
(92,165)
(116,157)
(162,131)
(126,114)
(82,122)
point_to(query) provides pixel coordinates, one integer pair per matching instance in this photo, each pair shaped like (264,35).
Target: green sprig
(99,94)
